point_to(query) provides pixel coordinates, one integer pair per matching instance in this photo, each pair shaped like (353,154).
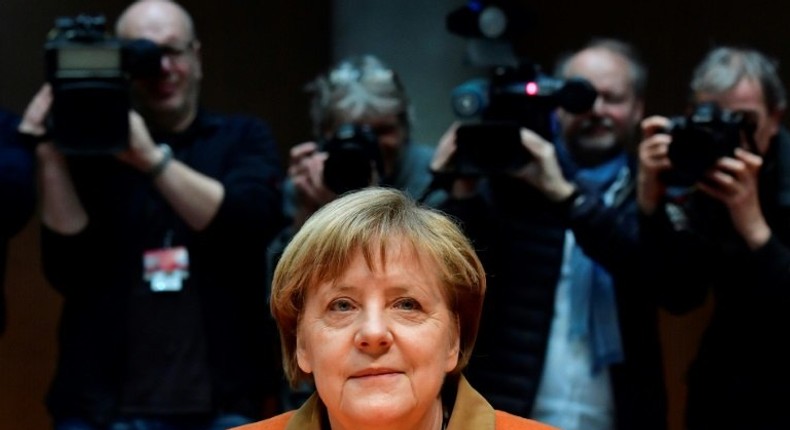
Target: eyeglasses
(176,52)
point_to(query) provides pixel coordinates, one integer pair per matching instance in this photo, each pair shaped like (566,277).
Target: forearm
(61,209)
(608,234)
(195,197)
(771,264)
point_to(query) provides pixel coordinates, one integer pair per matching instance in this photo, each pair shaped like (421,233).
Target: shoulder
(506,421)
(274,423)
(419,151)
(8,121)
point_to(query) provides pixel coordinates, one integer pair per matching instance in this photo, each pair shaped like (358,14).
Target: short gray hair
(357,88)
(636,67)
(723,67)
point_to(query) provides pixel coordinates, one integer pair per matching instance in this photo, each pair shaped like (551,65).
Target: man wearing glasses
(159,250)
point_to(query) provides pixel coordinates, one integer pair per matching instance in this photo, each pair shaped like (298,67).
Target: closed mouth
(374,372)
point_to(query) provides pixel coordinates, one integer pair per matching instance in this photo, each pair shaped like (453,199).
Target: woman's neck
(433,419)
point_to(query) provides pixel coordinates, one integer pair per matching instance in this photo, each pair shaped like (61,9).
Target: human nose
(599,106)
(168,63)
(373,334)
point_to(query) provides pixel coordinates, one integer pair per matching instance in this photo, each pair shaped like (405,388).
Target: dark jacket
(111,322)
(520,235)
(740,375)
(17,192)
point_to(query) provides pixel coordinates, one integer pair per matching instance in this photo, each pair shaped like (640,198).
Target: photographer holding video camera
(567,337)
(725,230)
(156,240)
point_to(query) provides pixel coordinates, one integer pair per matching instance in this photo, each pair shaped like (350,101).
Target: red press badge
(166,268)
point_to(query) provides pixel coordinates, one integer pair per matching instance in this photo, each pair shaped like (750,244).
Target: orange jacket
(470,412)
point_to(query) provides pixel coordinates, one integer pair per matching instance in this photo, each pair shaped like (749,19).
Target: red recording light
(531,88)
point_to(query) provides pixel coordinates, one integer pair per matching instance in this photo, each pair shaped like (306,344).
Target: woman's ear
(303,356)
(454,349)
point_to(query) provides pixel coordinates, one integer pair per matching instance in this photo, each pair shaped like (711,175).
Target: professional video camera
(516,94)
(702,137)
(90,74)
(353,155)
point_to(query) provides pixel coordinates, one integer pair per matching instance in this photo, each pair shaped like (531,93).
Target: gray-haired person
(729,235)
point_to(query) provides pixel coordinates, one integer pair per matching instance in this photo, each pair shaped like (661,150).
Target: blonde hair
(368,220)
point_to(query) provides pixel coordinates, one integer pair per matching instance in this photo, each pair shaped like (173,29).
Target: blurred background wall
(259,54)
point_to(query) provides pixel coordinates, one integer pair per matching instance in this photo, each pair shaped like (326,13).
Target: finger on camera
(731,166)
(36,112)
(303,149)
(748,157)
(535,143)
(654,124)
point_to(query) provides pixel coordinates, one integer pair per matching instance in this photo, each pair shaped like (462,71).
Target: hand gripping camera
(353,155)
(90,74)
(701,138)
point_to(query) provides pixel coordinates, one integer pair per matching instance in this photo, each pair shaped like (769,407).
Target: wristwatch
(159,167)
(573,201)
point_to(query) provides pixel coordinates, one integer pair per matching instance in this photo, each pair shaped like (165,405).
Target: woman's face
(379,342)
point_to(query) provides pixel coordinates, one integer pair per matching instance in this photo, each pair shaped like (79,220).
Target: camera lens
(353,155)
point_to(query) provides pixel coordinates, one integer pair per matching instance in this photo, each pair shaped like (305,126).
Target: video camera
(702,137)
(90,74)
(353,154)
(516,94)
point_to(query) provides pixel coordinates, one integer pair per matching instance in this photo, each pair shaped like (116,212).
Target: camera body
(702,137)
(512,98)
(90,73)
(353,156)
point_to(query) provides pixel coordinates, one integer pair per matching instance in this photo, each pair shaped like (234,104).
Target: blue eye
(341,305)
(408,304)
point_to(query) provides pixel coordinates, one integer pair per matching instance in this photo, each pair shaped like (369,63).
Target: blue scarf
(593,307)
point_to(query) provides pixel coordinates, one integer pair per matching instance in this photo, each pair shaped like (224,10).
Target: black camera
(702,137)
(516,94)
(514,97)
(353,156)
(90,73)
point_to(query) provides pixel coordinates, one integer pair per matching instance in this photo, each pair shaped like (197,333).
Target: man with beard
(566,337)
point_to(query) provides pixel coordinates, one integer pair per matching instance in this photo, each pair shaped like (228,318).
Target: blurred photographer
(361,91)
(567,336)
(729,234)
(157,251)
(362,118)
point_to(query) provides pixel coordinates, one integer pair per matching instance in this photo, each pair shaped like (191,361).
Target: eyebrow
(352,288)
